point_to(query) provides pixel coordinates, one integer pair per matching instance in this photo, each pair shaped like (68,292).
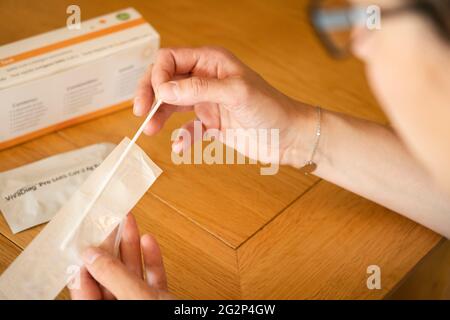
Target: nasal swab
(111,174)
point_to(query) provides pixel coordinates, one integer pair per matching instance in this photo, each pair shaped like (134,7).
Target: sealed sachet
(32,194)
(49,262)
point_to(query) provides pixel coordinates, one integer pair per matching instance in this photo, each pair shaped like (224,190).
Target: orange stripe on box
(65,124)
(69,42)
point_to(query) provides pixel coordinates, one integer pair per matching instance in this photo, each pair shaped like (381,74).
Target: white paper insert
(33,194)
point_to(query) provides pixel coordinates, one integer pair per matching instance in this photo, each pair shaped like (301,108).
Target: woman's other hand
(105,276)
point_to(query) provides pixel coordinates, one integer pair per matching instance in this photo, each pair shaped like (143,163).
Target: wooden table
(227,231)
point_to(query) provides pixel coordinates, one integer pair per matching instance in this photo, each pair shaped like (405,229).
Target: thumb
(189,91)
(114,276)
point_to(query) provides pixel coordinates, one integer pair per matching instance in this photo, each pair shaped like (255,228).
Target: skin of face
(408,67)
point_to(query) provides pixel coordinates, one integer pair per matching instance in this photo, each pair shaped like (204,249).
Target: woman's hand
(225,94)
(107,277)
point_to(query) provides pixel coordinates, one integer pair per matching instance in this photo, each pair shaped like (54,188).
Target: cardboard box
(64,77)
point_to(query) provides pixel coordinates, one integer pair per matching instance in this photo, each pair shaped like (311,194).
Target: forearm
(369,159)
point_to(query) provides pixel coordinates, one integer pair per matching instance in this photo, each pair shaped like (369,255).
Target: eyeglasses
(335,21)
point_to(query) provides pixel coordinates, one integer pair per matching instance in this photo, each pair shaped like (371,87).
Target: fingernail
(177,146)
(151,277)
(168,92)
(90,255)
(137,106)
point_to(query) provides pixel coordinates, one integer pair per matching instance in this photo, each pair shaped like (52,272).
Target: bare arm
(361,156)
(370,160)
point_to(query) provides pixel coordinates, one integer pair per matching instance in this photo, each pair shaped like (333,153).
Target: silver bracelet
(310,166)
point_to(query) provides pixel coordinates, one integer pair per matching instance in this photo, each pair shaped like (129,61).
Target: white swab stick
(113,171)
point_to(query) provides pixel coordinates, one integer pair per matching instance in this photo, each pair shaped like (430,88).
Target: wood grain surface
(227,231)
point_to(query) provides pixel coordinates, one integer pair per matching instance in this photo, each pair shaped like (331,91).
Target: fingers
(159,119)
(204,64)
(143,101)
(173,61)
(88,288)
(109,246)
(212,62)
(161,116)
(130,247)
(109,242)
(153,263)
(208,118)
(231,92)
(115,276)
(212,69)
(144,94)
(186,136)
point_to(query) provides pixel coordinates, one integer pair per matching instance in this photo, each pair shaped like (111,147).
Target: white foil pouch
(33,194)
(47,265)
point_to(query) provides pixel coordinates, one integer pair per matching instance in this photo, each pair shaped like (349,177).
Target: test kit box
(64,77)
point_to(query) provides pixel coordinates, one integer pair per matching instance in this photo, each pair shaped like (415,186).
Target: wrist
(301,136)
